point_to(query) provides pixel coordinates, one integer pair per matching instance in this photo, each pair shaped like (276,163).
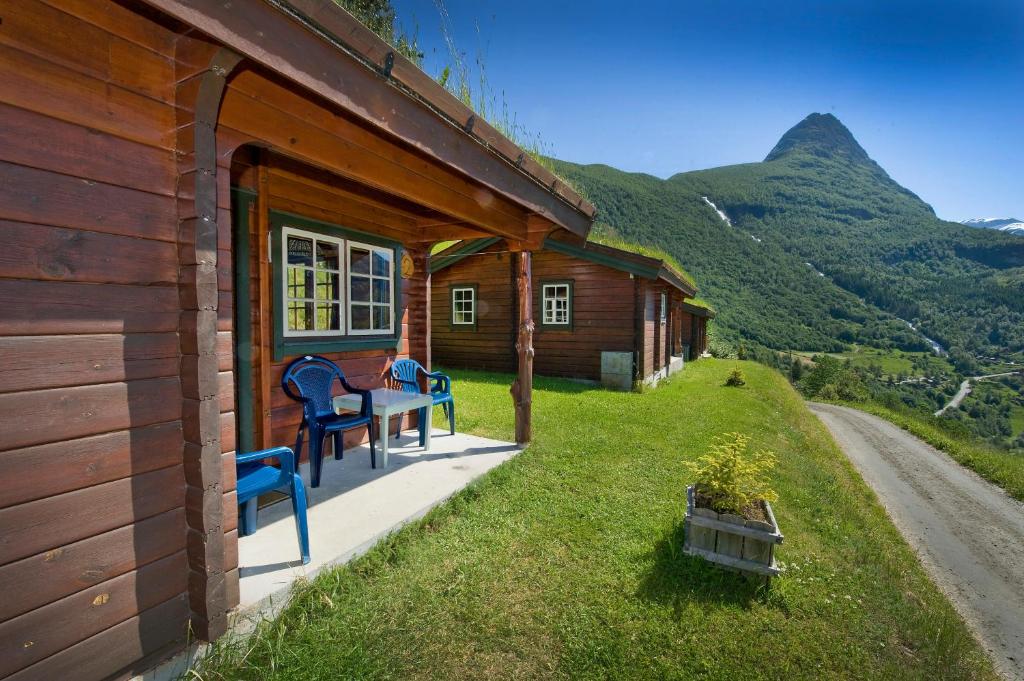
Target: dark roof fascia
(698,310)
(459,251)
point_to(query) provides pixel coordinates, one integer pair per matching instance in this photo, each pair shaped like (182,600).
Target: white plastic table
(387,403)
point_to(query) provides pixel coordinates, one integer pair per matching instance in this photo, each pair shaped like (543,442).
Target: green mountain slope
(819,205)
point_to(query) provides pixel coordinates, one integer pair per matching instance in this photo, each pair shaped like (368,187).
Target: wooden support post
(522,388)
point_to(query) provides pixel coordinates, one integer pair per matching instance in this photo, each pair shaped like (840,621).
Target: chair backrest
(407,370)
(313,376)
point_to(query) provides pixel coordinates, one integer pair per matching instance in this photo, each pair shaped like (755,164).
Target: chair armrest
(283,454)
(366,407)
(443,382)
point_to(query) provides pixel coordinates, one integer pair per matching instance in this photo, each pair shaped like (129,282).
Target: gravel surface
(968,533)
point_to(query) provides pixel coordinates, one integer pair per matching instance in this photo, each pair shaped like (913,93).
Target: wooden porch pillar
(522,388)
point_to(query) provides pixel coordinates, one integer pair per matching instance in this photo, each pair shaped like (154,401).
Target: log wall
(93,547)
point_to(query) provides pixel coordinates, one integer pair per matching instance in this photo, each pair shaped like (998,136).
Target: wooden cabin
(693,329)
(603,314)
(167,170)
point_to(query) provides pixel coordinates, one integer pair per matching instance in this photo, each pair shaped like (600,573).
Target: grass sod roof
(668,259)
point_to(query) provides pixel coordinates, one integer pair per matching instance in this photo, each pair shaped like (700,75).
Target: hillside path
(965,390)
(968,533)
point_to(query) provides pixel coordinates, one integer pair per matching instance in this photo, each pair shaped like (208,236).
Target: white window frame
(390,253)
(472,305)
(314,237)
(545,297)
(664,307)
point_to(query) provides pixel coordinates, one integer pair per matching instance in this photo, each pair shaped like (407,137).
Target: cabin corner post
(522,388)
(198,95)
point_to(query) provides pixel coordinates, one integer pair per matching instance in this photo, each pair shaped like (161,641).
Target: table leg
(385,426)
(430,415)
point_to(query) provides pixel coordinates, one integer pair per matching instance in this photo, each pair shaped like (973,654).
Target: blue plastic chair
(406,373)
(313,377)
(256,478)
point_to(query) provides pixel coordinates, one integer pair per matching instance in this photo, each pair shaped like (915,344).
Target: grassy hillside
(817,206)
(566,561)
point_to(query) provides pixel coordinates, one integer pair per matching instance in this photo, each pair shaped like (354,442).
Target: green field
(892,362)
(566,561)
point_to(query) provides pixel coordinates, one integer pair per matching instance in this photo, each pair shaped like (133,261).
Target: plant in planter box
(729,519)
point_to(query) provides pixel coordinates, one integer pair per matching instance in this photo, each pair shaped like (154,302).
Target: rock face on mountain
(819,205)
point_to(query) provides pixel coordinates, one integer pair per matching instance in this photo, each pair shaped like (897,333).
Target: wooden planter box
(746,546)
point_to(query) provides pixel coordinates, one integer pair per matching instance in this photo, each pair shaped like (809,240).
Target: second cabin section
(602,314)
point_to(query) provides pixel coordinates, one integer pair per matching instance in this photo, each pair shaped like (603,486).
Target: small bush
(730,477)
(736,379)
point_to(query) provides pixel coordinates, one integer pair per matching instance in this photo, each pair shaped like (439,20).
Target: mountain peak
(821,135)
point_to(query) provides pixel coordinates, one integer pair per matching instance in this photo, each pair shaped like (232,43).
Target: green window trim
(452,288)
(286,346)
(539,314)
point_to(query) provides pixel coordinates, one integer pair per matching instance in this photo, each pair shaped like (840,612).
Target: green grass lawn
(566,562)
(1002,467)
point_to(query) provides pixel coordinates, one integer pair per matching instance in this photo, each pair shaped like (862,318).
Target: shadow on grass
(677,578)
(548,383)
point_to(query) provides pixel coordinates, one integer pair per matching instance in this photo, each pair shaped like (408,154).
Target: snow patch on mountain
(721,214)
(1008,225)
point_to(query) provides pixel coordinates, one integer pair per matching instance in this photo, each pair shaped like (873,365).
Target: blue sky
(933,90)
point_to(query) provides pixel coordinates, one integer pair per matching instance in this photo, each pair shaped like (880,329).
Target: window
(370,273)
(664,307)
(313,297)
(317,303)
(556,304)
(464,306)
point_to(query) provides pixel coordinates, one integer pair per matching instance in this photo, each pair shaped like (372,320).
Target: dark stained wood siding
(602,315)
(92,554)
(489,347)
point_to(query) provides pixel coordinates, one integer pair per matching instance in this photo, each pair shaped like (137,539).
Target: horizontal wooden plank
(59,254)
(115,648)
(37,28)
(38,362)
(43,197)
(124,21)
(32,139)
(53,522)
(40,633)
(57,414)
(47,307)
(36,84)
(47,577)
(64,466)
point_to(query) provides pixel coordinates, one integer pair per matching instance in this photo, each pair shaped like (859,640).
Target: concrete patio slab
(355,507)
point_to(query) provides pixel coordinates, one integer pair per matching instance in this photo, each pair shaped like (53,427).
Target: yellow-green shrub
(730,476)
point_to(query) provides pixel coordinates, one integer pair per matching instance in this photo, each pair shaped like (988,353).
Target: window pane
(300,282)
(327,317)
(382,290)
(327,286)
(327,255)
(381,316)
(360,289)
(300,251)
(360,317)
(300,316)
(381,264)
(360,260)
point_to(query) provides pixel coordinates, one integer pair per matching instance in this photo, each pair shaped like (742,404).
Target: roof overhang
(698,311)
(324,49)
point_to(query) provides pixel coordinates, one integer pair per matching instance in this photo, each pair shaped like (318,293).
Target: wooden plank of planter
(773,537)
(697,535)
(736,563)
(755,549)
(730,543)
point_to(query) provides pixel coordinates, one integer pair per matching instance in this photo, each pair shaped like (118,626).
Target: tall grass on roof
(605,235)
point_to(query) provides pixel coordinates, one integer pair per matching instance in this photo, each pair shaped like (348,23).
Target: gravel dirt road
(968,533)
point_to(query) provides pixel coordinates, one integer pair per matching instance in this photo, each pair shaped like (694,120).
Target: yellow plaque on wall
(408,266)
